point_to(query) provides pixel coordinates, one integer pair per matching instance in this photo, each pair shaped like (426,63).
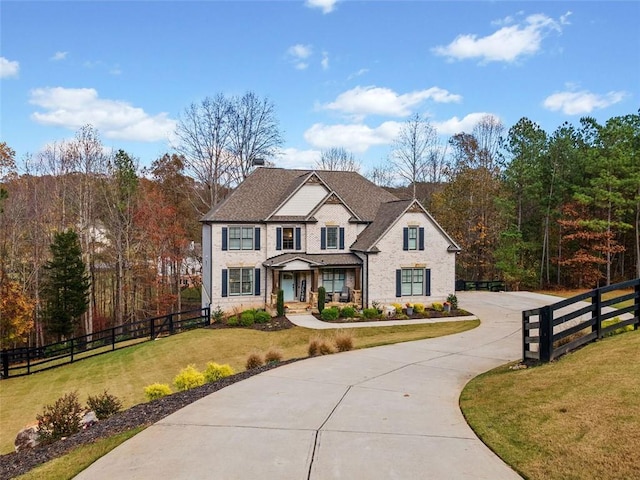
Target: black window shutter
(405,238)
(224,238)
(224,282)
(427,282)
(398,283)
(278,238)
(298,238)
(256,281)
(323,238)
(256,239)
(421,238)
(341,238)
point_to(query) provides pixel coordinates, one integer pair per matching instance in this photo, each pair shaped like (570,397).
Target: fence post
(207,316)
(170,323)
(5,363)
(524,336)
(71,350)
(596,300)
(546,334)
(113,338)
(637,304)
(152,328)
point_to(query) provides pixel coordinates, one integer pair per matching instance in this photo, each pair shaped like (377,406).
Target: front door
(288,285)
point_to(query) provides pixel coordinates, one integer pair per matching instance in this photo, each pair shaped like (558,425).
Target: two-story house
(297,230)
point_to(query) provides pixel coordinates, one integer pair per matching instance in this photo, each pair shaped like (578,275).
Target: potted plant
(409,309)
(447,307)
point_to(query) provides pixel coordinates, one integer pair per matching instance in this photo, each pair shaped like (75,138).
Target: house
(297,230)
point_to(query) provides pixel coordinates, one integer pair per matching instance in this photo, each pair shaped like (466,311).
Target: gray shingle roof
(267,188)
(387,214)
(316,259)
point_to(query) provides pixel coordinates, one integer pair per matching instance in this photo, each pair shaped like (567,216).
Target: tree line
(531,208)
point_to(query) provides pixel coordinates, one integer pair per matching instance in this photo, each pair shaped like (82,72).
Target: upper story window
(240,238)
(332,237)
(413,238)
(287,239)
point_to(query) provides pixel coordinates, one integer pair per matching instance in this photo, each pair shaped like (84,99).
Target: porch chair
(345,294)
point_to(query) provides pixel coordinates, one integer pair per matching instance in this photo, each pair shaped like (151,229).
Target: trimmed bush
(273,355)
(613,321)
(343,341)
(418,307)
(438,307)
(156,390)
(453,300)
(60,419)
(322,296)
(280,303)
(370,313)
(233,321)
(247,318)
(348,312)
(215,372)
(398,307)
(104,405)
(254,360)
(188,378)
(262,317)
(329,314)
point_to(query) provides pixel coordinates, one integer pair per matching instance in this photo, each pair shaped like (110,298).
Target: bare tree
(338,158)
(254,132)
(412,150)
(203,133)
(382,175)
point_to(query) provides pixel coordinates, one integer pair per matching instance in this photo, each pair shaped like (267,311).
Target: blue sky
(340,73)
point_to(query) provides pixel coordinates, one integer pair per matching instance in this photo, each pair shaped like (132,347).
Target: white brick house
(297,230)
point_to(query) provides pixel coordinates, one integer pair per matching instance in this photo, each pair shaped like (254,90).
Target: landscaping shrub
(247,318)
(326,347)
(262,317)
(322,296)
(189,377)
(370,313)
(418,307)
(398,307)
(156,390)
(273,355)
(613,321)
(104,405)
(329,314)
(438,307)
(233,321)
(314,346)
(215,371)
(254,360)
(453,300)
(280,303)
(217,315)
(348,312)
(344,341)
(60,419)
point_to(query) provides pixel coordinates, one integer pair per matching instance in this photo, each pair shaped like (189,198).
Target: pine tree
(66,285)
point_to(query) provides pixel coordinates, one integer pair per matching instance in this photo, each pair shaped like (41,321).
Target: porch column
(358,279)
(275,280)
(314,279)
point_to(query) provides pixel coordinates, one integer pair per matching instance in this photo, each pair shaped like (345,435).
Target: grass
(126,372)
(578,417)
(75,462)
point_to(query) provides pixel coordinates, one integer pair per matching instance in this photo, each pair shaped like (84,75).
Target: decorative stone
(28,437)
(89,419)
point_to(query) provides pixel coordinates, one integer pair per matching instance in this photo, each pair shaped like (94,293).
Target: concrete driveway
(388,412)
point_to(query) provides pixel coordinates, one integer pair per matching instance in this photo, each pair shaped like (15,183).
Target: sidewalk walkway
(380,413)
(309,321)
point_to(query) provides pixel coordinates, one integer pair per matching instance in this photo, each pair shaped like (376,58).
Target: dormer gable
(304,198)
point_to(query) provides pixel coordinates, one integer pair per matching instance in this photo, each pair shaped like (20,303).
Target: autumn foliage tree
(16,314)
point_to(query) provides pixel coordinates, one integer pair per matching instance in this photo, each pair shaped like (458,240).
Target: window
(240,238)
(412,281)
(332,237)
(241,281)
(333,280)
(287,239)
(413,238)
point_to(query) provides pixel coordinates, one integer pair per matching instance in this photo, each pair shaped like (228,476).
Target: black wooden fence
(553,330)
(17,362)
(490,285)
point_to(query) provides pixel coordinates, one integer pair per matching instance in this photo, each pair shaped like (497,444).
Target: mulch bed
(414,316)
(144,414)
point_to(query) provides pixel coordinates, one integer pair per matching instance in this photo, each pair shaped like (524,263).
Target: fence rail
(490,285)
(553,330)
(22,361)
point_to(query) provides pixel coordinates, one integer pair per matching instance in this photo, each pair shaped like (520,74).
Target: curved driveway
(388,412)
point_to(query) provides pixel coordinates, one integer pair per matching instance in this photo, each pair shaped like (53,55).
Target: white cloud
(294,158)
(325,61)
(299,54)
(357,138)
(373,100)
(74,107)
(582,102)
(59,56)
(457,125)
(325,5)
(8,68)
(507,44)
(359,73)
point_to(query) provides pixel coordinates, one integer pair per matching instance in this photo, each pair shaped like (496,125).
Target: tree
(338,158)
(66,289)
(414,149)
(16,310)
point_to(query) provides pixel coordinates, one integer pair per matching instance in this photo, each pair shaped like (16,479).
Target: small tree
(66,285)
(280,303)
(322,295)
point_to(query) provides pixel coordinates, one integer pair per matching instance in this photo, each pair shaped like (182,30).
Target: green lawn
(575,418)
(126,372)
